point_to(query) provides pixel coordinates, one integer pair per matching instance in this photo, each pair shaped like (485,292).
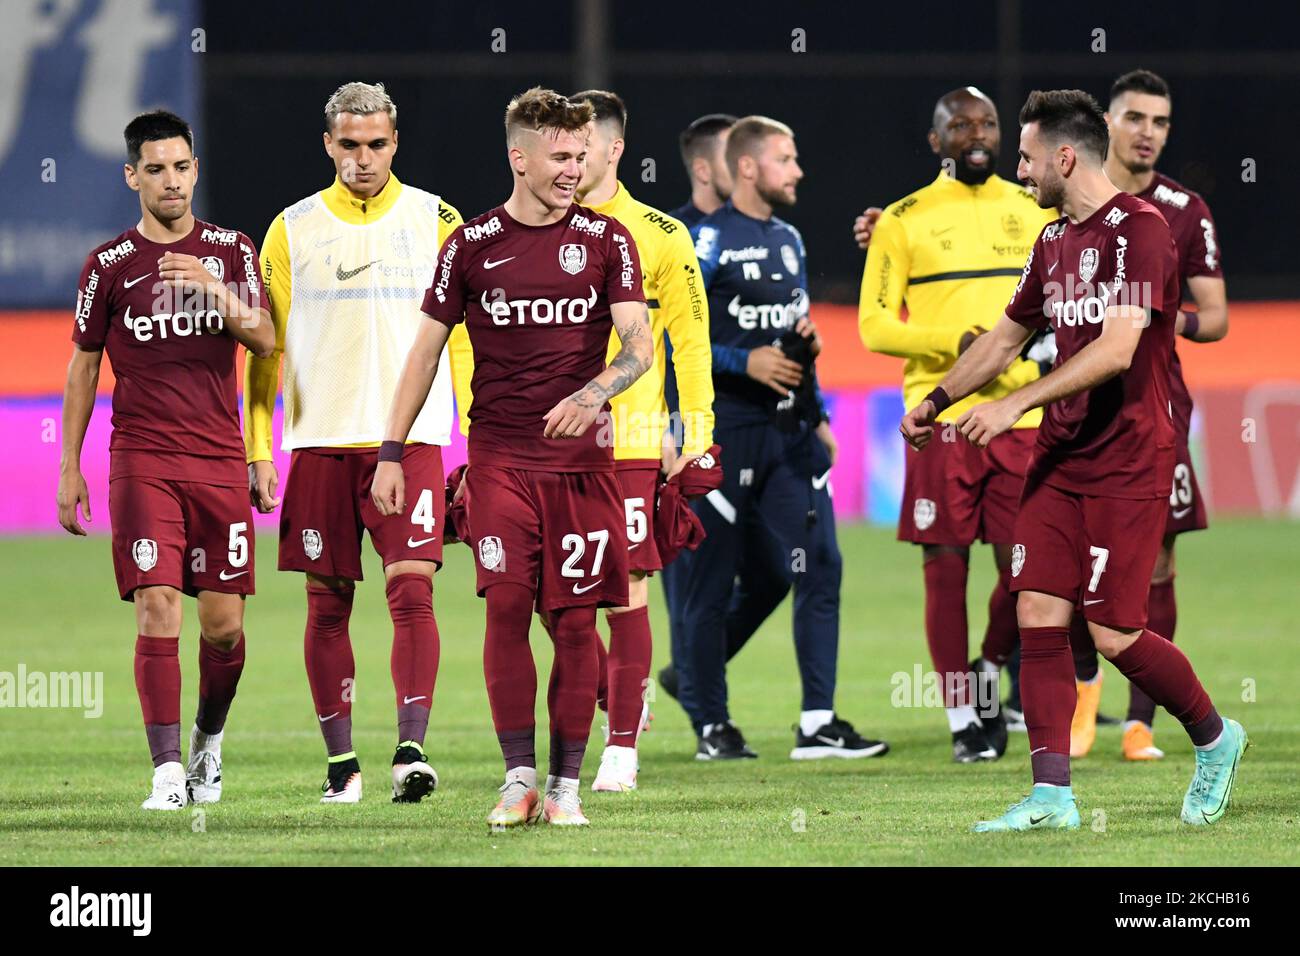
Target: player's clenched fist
(388,490)
(263,480)
(917,426)
(183,270)
(73,492)
(573,416)
(985,422)
(865,225)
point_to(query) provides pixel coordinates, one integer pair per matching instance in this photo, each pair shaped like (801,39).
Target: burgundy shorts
(327,505)
(639,481)
(1186,510)
(954,492)
(184,534)
(561,535)
(1096,552)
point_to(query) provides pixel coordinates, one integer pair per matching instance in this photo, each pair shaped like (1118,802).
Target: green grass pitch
(70,787)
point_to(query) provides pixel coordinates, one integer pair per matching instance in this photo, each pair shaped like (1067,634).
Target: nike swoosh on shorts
(230,577)
(584,590)
(412,543)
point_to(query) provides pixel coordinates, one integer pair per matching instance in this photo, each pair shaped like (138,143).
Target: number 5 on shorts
(1099,559)
(637,526)
(237,550)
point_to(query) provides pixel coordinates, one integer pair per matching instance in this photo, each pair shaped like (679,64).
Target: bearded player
(170,300)
(540,283)
(1139,121)
(1093,511)
(345,271)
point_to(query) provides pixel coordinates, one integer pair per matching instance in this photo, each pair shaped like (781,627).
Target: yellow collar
(340,201)
(990,187)
(610,206)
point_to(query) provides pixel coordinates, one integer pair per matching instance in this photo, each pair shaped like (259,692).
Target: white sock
(1134,723)
(959,718)
(525,775)
(561,783)
(811,721)
(201,741)
(1212,744)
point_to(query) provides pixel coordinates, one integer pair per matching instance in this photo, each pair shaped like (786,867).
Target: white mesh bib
(357,291)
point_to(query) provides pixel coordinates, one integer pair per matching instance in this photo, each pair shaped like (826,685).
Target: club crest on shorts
(145,554)
(923,513)
(1017,559)
(490,553)
(1088,264)
(216,268)
(312,545)
(573,257)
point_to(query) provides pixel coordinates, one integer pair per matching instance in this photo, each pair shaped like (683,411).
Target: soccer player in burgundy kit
(1093,512)
(170,300)
(539,282)
(1139,120)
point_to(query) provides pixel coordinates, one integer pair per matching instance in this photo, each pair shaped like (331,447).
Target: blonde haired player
(346,269)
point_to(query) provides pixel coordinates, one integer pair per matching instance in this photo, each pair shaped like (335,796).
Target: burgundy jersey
(1115,440)
(1198,255)
(175,413)
(535,301)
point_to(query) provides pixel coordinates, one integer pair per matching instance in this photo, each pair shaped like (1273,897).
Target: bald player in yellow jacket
(346,269)
(642,432)
(953,251)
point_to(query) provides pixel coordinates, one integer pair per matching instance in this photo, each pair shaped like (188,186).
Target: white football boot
(203,773)
(413,778)
(350,792)
(168,788)
(617,773)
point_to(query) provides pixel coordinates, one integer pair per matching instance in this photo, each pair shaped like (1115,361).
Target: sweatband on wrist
(940,399)
(390,451)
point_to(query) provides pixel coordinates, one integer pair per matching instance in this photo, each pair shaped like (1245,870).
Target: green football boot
(1210,794)
(1046,808)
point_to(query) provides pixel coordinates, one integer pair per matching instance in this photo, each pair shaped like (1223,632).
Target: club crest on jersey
(216,268)
(145,554)
(1017,560)
(490,553)
(312,545)
(790,259)
(573,257)
(923,513)
(1088,260)
(1012,226)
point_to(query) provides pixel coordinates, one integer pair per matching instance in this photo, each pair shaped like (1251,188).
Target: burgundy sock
(219,672)
(331,669)
(1166,675)
(510,672)
(945,624)
(158,682)
(1048,694)
(1082,649)
(630,650)
(1003,632)
(1162,617)
(571,698)
(602,668)
(414,661)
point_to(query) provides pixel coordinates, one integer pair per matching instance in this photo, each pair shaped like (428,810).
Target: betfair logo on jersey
(250,268)
(747,254)
(444,271)
(222,237)
(663,222)
(536,311)
(1171,196)
(489,228)
(592,227)
(627,274)
(769,315)
(116,254)
(174,325)
(86,298)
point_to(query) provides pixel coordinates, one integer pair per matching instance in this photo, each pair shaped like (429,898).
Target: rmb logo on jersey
(490,553)
(145,554)
(923,513)
(312,545)
(216,268)
(573,257)
(791,259)
(1017,560)
(1088,260)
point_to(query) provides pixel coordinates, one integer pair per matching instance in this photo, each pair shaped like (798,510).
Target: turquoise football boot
(1046,808)
(1210,793)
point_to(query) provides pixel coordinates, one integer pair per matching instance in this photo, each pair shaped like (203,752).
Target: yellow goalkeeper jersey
(677,304)
(954,254)
(344,280)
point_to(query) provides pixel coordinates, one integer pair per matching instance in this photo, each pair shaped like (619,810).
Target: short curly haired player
(540,283)
(171,300)
(1094,508)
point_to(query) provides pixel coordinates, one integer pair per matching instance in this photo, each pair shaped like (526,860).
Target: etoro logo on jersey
(769,315)
(536,311)
(173,325)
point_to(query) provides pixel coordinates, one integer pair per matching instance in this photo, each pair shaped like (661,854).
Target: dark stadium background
(859,99)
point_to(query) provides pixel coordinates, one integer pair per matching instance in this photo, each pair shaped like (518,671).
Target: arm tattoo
(631,362)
